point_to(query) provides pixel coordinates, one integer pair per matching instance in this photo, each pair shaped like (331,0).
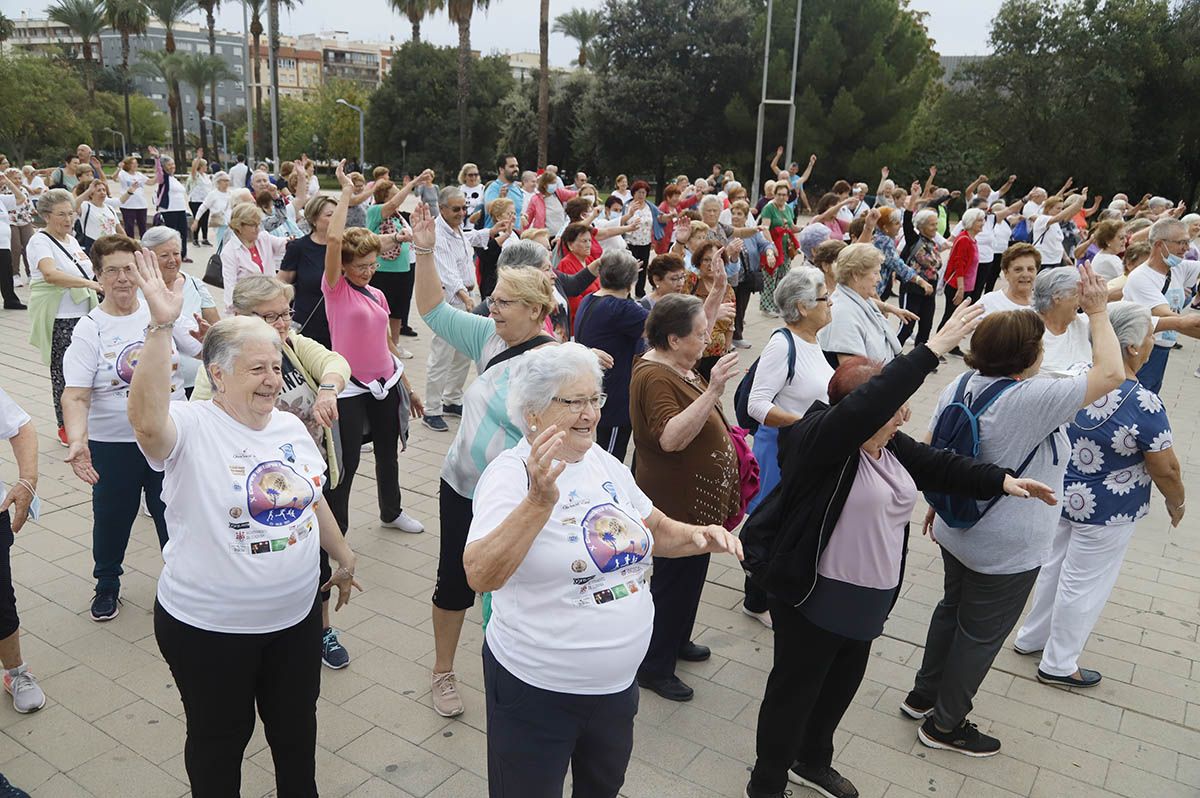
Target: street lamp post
(361,148)
(403,156)
(115,134)
(224,139)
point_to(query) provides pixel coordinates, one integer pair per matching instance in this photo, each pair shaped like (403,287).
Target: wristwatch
(327,386)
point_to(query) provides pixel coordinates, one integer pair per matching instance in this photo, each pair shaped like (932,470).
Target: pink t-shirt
(358,328)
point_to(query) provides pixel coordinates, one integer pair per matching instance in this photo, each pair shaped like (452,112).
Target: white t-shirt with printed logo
(103,353)
(74,261)
(1145,287)
(576,615)
(243,554)
(12,418)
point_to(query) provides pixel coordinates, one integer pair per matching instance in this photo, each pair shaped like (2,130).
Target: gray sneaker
(27,696)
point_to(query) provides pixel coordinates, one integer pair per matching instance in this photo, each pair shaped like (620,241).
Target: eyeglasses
(456,208)
(114,270)
(362,267)
(62,215)
(472,174)
(579,405)
(822,298)
(677,278)
(271,318)
(502,304)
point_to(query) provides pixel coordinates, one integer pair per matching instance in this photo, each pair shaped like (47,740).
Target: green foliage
(570,141)
(415,104)
(7,28)
(581,25)
(318,116)
(108,111)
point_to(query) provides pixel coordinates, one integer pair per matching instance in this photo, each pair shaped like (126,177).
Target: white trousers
(1071,591)
(448,372)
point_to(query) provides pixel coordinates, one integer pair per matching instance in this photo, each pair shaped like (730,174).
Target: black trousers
(614,438)
(741,295)
(7,290)
(813,680)
(966,632)
(704,366)
(913,299)
(398,288)
(178,221)
(9,622)
(676,587)
(124,475)
(201,225)
(642,253)
(534,734)
(451,591)
(989,273)
(134,221)
(949,292)
(361,418)
(280,672)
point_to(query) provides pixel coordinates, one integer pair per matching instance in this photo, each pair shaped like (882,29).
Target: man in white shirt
(454,254)
(1033,205)
(239,172)
(1161,284)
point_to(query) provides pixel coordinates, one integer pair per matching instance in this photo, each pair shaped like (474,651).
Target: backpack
(957,430)
(1023,232)
(741,397)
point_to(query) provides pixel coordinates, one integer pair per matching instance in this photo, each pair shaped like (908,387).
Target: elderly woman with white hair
(242,483)
(171,197)
(214,209)
(857,325)
(1119,444)
(560,652)
(166,243)
(963,265)
(923,254)
(1048,234)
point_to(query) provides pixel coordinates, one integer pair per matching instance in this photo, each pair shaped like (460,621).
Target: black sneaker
(826,781)
(966,739)
(436,423)
(333,654)
(752,792)
(7,790)
(694,652)
(916,706)
(408,331)
(452,410)
(105,605)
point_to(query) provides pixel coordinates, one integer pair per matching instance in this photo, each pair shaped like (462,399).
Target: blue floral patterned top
(892,265)
(1107,482)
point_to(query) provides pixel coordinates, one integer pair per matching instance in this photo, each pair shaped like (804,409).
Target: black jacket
(818,461)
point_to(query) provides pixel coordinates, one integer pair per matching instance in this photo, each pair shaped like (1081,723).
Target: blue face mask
(1173,261)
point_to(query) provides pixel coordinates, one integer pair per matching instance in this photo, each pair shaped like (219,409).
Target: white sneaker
(145,510)
(27,696)
(405,523)
(19,281)
(367,448)
(738,343)
(405,354)
(763,617)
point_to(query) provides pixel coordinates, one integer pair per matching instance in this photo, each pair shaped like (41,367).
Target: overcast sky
(959,27)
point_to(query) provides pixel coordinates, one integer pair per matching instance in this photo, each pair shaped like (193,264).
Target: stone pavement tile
(55,625)
(1147,702)
(336,725)
(1188,771)
(1002,770)
(694,671)
(383,600)
(335,775)
(1128,781)
(896,791)
(44,659)
(1168,735)
(49,545)
(463,784)
(892,729)
(461,744)
(156,685)
(255,780)
(974,788)
(1117,747)
(1192,718)
(718,700)
(738,648)
(396,713)
(1167,618)
(900,768)
(60,786)
(107,654)
(384,755)
(1050,784)
(908,630)
(741,677)
(1066,702)
(1129,598)
(60,737)
(1012,712)
(29,771)
(712,732)
(1119,630)
(717,772)
(86,693)
(146,729)
(378,788)
(662,748)
(1169,644)
(643,780)
(120,771)
(396,637)
(897,651)
(340,686)
(1047,754)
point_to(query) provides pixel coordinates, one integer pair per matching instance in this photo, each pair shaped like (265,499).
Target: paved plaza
(113,724)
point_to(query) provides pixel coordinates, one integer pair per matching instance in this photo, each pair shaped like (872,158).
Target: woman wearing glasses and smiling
(251,250)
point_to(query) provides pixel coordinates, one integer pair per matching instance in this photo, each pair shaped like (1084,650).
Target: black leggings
(177,221)
(642,253)
(60,339)
(915,300)
(676,587)
(741,295)
(6,279)
(278,671)
(451,592)
(201,225)
(9,622)
(949,292)
(362,418)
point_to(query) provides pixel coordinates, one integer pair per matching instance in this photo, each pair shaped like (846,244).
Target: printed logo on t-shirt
(127,361)
(276,494)
(613,539)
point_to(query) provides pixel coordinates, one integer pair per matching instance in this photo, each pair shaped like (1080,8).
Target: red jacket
(964,262)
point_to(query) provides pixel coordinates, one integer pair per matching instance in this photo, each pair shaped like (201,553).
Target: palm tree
(543,147)
(7,28)
(160,65)
(128,18)
(460,12)
(85,18)
(201,71)
(256,32)
(416,10)
(209,7)
(582,26)
(169,13)
(273,20)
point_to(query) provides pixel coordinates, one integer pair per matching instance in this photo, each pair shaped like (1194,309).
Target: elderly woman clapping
(560,652)
(246,518)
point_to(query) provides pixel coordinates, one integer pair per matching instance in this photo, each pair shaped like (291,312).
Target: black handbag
(84,240)
(213,270)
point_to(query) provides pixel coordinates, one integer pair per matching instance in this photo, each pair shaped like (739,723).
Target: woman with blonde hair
(250,250)
(857,325)
(133,200)
(471,186)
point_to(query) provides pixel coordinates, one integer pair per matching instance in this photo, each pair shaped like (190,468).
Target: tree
(256,32)
(128,18)
(582,26)
(169,13)
(163,66)
(273,19)
(200,71)
(7,28)
(149,124)
(86,19)
(210,10)
(317,125)
(570,142)
(411,105)
(40,98)
(416,11)
(460,12)
(543,147)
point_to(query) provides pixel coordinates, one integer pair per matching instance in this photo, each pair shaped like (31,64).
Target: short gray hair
(1159,201)
(160,234)
(52,199)
(1130,321)
(523,253)
(541,375)
(922,216)
(255,289)
(1160,230)
(1190,217)
(800,286)
(618,269)
(225,340)
(972,216)
(448,193)
(709,201)
(1054,284)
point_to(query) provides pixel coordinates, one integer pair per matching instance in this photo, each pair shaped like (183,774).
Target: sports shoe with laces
(826,781)
(7,790)
(26,694)
(105,605)
(446,700)
(436,423)
(333,654)
(405,523)
(916,706)
(965,739)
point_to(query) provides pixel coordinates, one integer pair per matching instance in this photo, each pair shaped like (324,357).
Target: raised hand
(884,172)
(778,151)
(424,229)
(932,172)
(542,469)
(343,179)
(961,323)
(812,159)
(1093,291)
(202,328)
(724,370)
(165,302)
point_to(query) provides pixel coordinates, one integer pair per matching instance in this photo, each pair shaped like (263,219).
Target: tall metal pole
(792,93)
(246,85)
(224,139)
(762,109)
(273,18)
(361,149)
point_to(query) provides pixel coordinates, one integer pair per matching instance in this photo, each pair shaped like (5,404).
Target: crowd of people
(595,321)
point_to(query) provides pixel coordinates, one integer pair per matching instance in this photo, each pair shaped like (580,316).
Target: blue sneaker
(436,423)
(333,654)
(105,607)
(9,791)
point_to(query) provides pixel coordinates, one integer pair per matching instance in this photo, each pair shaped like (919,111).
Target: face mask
(1174,260)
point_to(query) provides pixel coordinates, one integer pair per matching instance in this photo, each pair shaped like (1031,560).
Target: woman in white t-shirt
(1066,343)
(621,190)
(12,196)
(1109,235)
(197,299)
(472,188)
(171,197)
(62,288)
(1019,265)
(132,197)
(99,364)
(215,209)
(562,537)
(245,516)
(99,216)
(199,186)
(1048,235)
